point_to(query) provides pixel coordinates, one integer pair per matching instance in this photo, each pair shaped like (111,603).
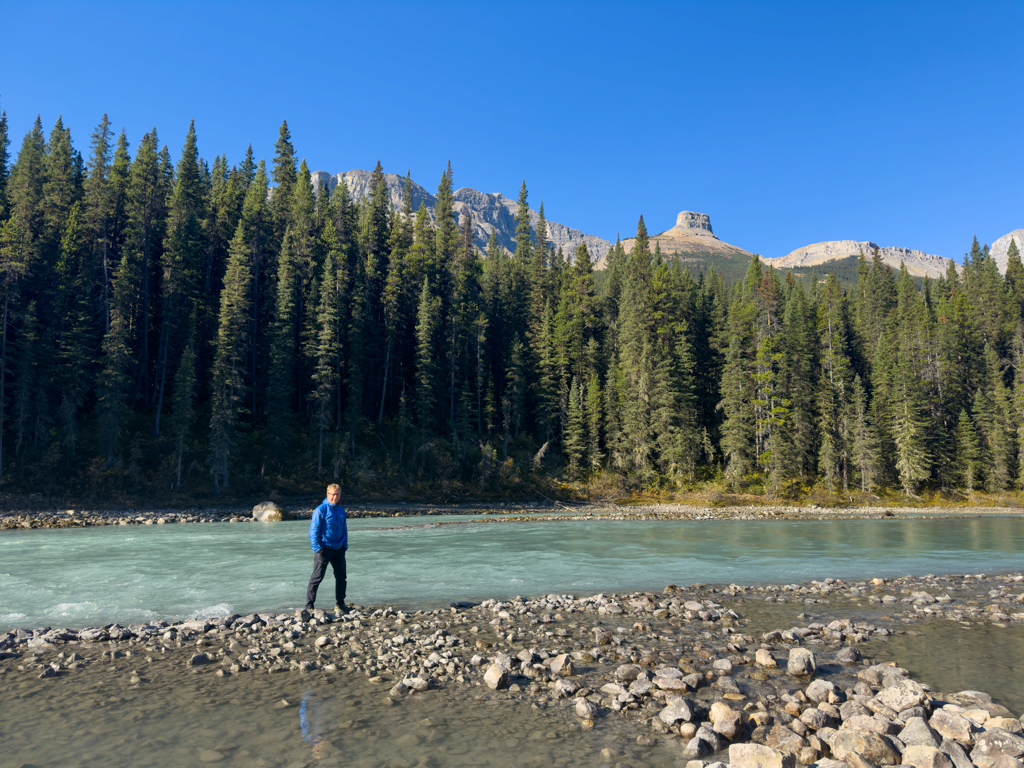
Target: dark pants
(336,557)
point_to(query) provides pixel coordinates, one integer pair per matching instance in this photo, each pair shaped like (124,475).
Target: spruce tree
(426,361)
(574,440)
(184,249)
(97,212)
(5,164)
(968,453)
(227,400)
(863,443)
(183,407)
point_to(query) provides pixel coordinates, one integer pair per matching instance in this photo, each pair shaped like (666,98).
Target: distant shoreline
(80,518)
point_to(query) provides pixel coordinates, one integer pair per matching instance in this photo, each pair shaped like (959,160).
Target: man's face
(333,496)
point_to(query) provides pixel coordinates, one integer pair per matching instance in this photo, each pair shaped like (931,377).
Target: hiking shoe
(341,610)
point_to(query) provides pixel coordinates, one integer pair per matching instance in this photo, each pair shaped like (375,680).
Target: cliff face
(693,238)
(490,212)
(1002,245)
(919,263)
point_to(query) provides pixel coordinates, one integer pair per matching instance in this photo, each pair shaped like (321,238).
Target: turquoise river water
(93,576)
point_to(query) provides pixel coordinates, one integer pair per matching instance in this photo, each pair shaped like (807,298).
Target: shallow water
(92,576)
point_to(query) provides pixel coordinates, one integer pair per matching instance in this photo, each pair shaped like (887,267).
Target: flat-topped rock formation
(491,212)
(1002,245)
(692,236)
(919,263)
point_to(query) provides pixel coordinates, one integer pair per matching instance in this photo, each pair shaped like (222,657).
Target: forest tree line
(177,324)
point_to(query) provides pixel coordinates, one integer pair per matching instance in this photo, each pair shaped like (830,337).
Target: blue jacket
(328,528)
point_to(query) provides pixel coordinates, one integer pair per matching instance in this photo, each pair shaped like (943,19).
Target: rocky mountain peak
(693,223)
(490,211)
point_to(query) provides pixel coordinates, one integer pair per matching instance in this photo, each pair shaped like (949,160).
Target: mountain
(1002,245)
(696,245)
(919,263)
(491,212)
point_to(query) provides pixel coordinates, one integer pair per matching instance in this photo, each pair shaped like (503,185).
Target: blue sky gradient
(788,123)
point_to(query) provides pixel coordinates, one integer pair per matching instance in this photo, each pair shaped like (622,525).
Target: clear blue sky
(788,123)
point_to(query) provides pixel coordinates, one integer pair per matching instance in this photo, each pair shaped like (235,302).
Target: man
(328,536)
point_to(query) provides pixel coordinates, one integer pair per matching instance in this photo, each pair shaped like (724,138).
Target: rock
(1001,245)
(722,666)
(904,694)
(709,737)
(503,660)
(951,725)
(696,747)
(496,676)
(999,761)
(820,690)
(566,688)
(875,724)
(997,741)
(916,733)
(918,263)
(922,756)
(197,659)
(1010,724)
(729,723)
(670,683)
(399,689)
(783,739)
(956,753)
(872,746)
(267,512)
(815,719)
(562,665)
(677,711)
(93,635)
(418,684)
(627,673)
(586,709)
(758,756)
(851,709)
(848,655)
(764,657)
(801,663)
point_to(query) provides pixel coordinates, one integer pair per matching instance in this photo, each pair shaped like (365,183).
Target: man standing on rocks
(328,536)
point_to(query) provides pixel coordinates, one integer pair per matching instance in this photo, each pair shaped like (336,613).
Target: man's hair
(334,487)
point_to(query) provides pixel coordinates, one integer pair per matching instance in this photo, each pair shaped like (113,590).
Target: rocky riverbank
(79,518)
(695,668)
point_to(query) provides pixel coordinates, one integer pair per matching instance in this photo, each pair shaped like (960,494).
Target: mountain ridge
(490,211)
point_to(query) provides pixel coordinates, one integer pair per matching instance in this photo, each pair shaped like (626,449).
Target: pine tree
(863,443)
(426,361)
(592,416)
(285,178)
(574,441)
(115,381)
(97,212)
(325,374)
(227,401)
(183,407)
(5,163)
(184,249)
(968,453)
(833,398)
(12,266)
(284,352)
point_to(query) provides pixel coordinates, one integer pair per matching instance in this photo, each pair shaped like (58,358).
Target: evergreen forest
(172,325)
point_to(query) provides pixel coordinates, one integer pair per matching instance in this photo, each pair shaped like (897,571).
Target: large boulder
(995,742)
(873,747)
(921,756)
(902,695)
(267,512)
(801,663)
(759,756)
(496,676)
(677,711)
(953,726)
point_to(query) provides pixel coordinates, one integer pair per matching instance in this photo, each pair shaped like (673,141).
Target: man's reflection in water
(309,721)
